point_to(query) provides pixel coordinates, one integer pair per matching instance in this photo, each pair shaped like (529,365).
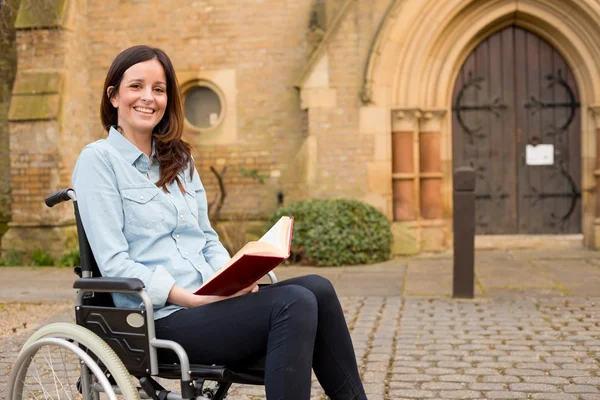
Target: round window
(203,107)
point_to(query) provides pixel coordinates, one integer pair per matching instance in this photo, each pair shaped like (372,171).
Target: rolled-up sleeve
(101,211)
(214,252)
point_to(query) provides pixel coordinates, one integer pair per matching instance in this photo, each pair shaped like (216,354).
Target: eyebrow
(141,80)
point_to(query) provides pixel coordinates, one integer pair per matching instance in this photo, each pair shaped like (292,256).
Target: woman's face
(141,98)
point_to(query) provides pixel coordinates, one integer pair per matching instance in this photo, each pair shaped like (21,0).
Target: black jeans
(297,324)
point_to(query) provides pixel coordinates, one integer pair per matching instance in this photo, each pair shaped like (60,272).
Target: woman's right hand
(187,299)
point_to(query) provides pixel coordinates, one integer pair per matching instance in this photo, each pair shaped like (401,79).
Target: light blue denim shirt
(138,230)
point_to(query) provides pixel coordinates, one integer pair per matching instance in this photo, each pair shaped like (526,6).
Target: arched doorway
(516,121)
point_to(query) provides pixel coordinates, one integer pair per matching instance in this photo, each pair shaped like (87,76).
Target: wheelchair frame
(130,333)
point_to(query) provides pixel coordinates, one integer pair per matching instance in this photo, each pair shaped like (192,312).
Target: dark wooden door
(516,90)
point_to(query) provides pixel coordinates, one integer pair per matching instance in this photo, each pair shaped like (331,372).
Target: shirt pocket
(190,198)
(142,207)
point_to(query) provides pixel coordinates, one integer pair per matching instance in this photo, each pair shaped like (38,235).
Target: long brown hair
(173,154)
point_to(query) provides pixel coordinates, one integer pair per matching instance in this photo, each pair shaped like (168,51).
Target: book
(252,262)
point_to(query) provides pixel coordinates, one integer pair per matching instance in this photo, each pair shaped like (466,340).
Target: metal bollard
(463,285)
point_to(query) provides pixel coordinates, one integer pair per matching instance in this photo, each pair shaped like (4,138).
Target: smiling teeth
(144,110)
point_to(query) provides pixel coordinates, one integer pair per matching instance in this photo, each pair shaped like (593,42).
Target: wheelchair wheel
(67,361)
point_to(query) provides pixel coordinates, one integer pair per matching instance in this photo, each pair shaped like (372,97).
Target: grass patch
(11,259)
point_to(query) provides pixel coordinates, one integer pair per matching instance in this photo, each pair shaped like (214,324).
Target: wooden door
(513,92)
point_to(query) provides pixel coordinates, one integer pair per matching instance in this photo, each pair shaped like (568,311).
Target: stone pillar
(595,111)
(405,164)
(8,69)
(47,124)
(430,165)
(374,126)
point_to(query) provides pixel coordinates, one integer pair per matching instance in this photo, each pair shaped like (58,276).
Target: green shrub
(11,259)
(70,259)
(41,258)
(337,232)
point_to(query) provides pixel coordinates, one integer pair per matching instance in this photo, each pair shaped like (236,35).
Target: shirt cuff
(160,286)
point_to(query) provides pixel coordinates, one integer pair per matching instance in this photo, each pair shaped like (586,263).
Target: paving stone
(552,380)
(500,379)
(587,380)
(553,396)
(500,395)
(411,394)
(487,386)
(457,378)
(442,386)
(523,372)
(460,394)
(532,387)
(580,389)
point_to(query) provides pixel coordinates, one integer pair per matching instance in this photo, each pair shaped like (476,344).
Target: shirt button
(141,197)
(171,196)
(177,236)
(185,253)
(181,216)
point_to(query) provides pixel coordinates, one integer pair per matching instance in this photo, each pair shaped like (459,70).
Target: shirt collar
(129,151)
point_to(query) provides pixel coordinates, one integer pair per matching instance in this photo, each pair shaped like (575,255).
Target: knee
(302,298)
(297,303)
(321,287)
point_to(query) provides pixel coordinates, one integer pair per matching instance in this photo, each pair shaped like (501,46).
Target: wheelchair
(112,352)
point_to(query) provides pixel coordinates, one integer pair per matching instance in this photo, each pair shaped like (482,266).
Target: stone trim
(321,48)
(46,14)
(414,65)
(36,97)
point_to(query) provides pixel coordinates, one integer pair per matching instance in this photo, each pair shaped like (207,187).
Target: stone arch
(422,46)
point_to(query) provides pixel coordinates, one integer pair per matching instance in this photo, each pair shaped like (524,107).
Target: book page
(274,235)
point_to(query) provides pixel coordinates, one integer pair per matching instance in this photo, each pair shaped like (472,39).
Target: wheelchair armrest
(109,284)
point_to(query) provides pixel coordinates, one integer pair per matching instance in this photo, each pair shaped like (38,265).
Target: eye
(159,89)
(135,86)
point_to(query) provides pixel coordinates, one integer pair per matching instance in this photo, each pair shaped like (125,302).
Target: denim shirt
(138,230)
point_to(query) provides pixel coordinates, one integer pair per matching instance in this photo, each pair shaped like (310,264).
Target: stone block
(34,107)
(41,14)
(433,238)
(406,238)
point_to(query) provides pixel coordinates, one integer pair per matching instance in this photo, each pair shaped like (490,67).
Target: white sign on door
(541,154)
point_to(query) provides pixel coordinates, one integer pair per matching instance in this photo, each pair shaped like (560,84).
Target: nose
(147,95)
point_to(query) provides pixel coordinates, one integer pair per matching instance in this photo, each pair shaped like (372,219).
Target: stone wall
(263,43)
(8,69)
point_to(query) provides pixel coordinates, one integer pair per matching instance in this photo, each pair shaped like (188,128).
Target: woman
(144,211)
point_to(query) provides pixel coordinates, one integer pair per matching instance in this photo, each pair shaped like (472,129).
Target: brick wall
(267,45)
(264,42)
(343,152)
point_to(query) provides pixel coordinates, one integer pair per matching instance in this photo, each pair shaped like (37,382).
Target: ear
(113,99)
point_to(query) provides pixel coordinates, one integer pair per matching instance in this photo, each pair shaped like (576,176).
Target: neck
(142,141)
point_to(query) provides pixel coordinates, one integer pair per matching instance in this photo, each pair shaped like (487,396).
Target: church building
(374,100)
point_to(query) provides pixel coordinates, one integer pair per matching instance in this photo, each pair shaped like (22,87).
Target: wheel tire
(84,337)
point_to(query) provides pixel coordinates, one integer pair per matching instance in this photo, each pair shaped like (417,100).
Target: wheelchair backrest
(88,263)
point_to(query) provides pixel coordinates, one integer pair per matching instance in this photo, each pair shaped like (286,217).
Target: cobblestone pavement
(417,348)
(533,336)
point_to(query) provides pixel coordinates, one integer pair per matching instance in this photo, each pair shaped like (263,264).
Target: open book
(252,262)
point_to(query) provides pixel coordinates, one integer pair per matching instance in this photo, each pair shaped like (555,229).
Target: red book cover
(252,262)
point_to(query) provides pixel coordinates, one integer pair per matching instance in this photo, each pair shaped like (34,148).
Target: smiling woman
(145,214)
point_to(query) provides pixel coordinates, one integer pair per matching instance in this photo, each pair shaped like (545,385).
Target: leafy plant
(41,258)
(70,259)
(254,174)
(337,232)
(11,259)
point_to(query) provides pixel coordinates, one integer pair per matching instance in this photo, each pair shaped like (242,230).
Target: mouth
(144,110)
